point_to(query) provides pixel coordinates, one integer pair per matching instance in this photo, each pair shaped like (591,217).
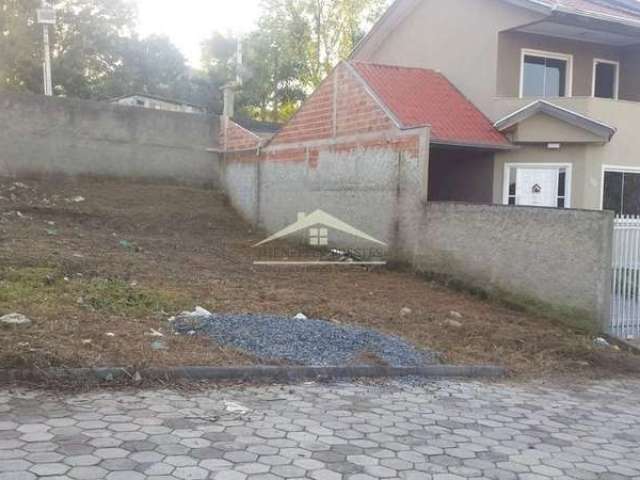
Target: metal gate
(625,304)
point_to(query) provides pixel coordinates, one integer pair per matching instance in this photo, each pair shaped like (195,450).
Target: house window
(319,237)
(622,192)
(545,74)
(538,185)
(605,79)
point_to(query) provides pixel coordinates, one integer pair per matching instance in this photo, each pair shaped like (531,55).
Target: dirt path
(125,257)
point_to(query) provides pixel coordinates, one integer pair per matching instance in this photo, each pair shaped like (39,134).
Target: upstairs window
(605,79)
(545,74)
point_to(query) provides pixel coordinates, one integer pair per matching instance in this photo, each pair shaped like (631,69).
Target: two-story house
(515,102)
(560,78)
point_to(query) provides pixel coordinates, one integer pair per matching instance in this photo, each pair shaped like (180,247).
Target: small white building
(158,103)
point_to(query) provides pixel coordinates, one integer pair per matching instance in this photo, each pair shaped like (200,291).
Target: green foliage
(152,65)
(97,54)
(85,44)
(25,284)
(88,41)
(20,46)
(119,298)
(296,45)
(46,288)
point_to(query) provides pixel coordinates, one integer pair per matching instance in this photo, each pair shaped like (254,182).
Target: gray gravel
(304,342)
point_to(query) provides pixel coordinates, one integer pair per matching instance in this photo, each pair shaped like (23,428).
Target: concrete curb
(252,374)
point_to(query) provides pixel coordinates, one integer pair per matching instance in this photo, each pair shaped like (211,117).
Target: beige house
(560,78)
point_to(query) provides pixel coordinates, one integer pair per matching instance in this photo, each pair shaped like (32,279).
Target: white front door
(538,184)
(537,187)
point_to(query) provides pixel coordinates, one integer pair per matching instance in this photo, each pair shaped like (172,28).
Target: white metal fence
(625,305)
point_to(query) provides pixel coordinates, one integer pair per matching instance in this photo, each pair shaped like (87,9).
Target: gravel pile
(304,342)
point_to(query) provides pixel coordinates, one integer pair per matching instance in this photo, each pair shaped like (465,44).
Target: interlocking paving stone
(413,430)
(47,469)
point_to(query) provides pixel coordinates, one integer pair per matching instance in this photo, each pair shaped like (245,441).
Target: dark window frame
(616,78)
(627,177)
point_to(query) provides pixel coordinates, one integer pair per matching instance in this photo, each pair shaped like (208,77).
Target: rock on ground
(15,320)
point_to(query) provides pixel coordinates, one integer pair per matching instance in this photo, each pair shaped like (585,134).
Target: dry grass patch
(83,321)
(131,255)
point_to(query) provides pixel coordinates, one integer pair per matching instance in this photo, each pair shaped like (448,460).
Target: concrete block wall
(559,257)
(45,136)
(358,187)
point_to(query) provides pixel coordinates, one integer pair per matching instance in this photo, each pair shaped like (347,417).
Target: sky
(188,22)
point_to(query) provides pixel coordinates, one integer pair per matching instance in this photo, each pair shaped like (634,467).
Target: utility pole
(46,17)
(239,62)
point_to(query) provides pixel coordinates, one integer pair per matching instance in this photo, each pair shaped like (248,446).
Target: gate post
(605,285)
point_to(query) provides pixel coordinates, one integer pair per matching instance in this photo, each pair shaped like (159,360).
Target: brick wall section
(357,112)
(239,138)
(314,120)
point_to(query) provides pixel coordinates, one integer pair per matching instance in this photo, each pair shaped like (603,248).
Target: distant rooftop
(262,129)
(174,101)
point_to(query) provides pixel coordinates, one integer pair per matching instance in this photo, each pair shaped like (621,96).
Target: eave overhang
(595,127)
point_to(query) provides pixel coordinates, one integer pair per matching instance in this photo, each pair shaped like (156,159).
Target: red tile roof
(613,8)
(419,97)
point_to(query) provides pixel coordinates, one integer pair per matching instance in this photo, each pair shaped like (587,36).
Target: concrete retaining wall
(44,136)
(560,257)
(359,187)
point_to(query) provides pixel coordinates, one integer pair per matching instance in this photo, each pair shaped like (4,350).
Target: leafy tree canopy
(295,46)
(96,53)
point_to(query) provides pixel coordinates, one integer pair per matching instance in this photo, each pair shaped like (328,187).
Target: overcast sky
(189,22)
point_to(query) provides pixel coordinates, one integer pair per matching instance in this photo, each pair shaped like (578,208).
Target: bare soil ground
(97,275)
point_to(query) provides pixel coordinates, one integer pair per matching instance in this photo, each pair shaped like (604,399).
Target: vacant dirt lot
(97,264)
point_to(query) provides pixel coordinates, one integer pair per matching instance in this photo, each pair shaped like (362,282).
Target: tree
(95,54)
(152,65)
(86,42)
(295,46)
(326,31)
(20,46)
